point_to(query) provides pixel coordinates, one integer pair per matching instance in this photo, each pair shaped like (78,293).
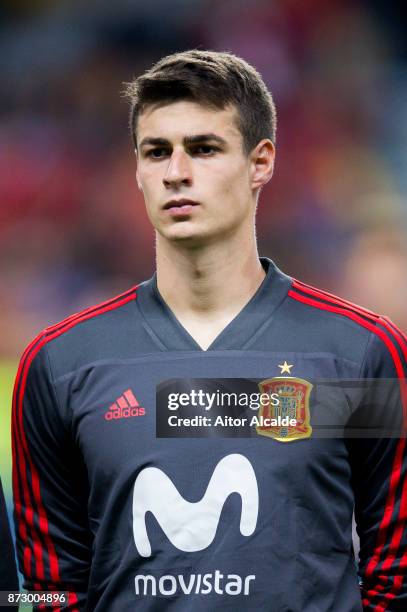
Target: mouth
(182,204)
(180,208)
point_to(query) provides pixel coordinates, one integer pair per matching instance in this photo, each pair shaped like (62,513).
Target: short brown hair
(210,78)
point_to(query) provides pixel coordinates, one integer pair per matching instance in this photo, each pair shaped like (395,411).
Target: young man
(142,480)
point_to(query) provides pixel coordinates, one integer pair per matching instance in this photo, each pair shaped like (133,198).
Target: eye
(205,150)
(157,153)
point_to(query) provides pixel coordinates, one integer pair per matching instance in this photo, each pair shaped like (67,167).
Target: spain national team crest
(294,394)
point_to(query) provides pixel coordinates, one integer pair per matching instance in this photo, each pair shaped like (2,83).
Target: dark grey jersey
(126,501)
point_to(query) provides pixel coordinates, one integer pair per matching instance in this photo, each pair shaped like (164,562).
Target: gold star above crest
(285,368)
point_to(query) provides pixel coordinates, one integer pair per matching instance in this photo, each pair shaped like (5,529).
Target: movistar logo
(192,526)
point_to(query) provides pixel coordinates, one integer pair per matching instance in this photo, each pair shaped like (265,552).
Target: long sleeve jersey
(125,501)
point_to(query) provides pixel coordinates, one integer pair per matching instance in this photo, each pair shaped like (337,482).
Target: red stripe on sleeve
(119,300)
(347,313)
(330,297)
(21,450)
(73,600)
(351,311)
(401,524)
(21,381)
(20,460)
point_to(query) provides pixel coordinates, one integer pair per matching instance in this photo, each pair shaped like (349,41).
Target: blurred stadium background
(73,230)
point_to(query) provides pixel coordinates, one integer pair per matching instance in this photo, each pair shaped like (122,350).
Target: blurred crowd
(73,230)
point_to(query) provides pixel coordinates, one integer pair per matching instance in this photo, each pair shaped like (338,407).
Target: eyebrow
(188,140)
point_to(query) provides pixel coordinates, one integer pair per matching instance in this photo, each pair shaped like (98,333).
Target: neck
(205,282)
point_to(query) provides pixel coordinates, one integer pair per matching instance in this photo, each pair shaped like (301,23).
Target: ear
(262,163)
(137,172)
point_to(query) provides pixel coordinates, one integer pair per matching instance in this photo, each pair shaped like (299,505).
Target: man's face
(194,174)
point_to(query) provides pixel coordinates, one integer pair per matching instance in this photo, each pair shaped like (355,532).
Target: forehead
(177,120)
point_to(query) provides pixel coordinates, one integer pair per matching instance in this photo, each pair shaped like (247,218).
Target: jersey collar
(163,326)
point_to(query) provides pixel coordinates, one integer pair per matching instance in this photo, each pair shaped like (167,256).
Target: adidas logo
(124,407)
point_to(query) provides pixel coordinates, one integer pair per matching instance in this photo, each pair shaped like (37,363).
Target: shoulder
(384,341)
(83,335)
(105,311)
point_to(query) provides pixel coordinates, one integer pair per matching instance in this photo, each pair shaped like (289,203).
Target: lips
(180,204)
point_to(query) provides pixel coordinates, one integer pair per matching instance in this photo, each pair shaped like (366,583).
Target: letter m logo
(192,526)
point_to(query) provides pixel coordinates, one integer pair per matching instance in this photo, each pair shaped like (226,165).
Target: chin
(182,230)
(190,235)
(186,237)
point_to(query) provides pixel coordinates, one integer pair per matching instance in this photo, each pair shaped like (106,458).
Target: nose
(178,171)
